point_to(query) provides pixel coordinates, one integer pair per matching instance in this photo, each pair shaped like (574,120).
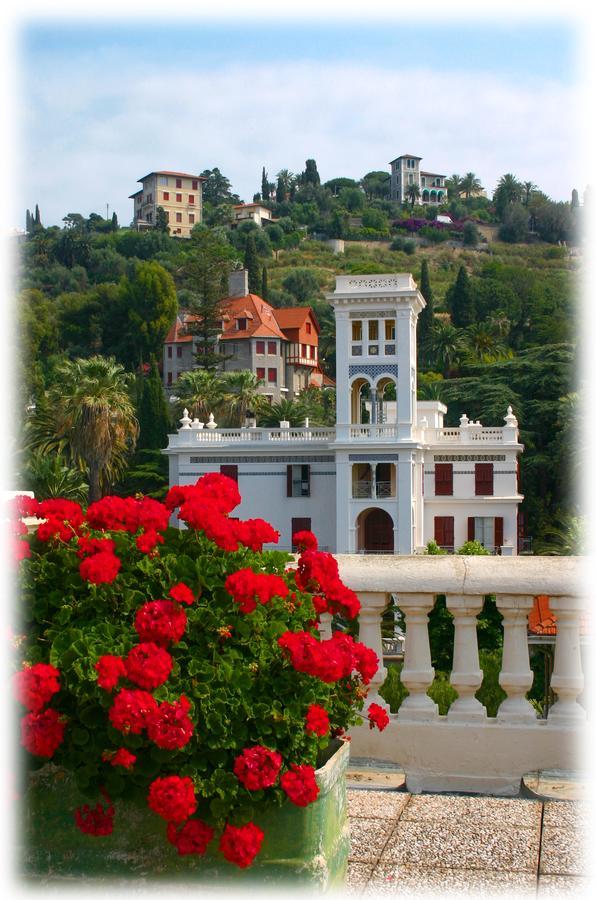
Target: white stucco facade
(389,477)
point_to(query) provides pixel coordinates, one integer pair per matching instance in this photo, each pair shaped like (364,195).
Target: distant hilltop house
(252,212)
(406,171)
(280,346)
(389,477)
(179,193)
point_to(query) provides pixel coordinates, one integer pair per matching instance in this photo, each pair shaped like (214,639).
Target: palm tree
(470,185)
(412,193)
(89,413)
(528,187)
(292,411)
(454,186)
(240,392)
(48,475)
(509,190)
(285,180)
(199,391)
(483,343)
(445,347)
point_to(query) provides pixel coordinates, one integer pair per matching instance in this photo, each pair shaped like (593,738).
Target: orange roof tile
(542,620)
(295,316)
(260,316)
(177,174)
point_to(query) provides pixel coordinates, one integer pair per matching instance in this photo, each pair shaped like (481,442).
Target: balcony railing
(466,750)
(365,490)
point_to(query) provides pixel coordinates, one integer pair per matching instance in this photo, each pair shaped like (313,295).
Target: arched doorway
(375,531)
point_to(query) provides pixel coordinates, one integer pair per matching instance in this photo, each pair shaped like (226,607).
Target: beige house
(406,171)
(251,212)
(180,195)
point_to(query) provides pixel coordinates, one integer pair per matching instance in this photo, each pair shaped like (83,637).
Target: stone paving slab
(405,880)
(566,814)
(368,838)
(501,812)
(376,804)
(563,851)
(557,885)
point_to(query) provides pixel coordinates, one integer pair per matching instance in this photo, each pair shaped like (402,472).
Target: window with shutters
(444,479)
(261,347)
(484,480)
(195,185)
(178,217)
(271,347)
(178,198)
(191,199)
(178,182)
(230,471)
(444,532)
(191,218)
(484,531)
(299,524)
(166,195)
(272,376)
(179,352)
(298,481)
(169,352)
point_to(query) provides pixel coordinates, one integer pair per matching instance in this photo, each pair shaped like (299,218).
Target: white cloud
(92,128)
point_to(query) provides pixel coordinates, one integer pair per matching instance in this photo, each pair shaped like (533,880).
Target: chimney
(238,283)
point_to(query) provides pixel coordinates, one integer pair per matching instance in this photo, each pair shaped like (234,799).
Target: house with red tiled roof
(280,346)
(180,194)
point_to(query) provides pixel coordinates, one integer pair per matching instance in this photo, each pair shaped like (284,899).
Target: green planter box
(308,846)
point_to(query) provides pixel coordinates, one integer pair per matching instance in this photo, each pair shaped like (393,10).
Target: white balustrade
(466,676)
(567,679)
(373,606)
(516,675)
(417,674)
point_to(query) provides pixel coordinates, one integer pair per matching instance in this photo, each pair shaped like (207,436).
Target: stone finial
(185,420)
(196,424)
(211,423)
(463,421)
(306,423)
(510,418)
(284,423)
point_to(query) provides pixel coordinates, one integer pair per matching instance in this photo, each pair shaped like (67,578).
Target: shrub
(182,668)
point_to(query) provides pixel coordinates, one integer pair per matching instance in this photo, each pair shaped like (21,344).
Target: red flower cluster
(42,732)
(253,533)
(132,711)
(181,593)
(192,837)
(172,798)
(128,514)
(147,541)
(88,546)
(98,822)
(366,661)
(36,685)
(148,665)
(300,785)
(213,489)
(328,660)
(109,670)
(241,845)
(23,507)
(160,621)
(318,572)
(101,568)
(246,587)
(121,757)
(317,720)
(257,767)
(63,518)
(377,716)
(215,525)
(305,540)
(170,726)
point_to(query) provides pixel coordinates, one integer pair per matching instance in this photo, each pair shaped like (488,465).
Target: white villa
(389,484)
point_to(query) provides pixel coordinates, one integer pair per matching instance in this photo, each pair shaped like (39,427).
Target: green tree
(154,416)
(311,174)
(161,220)
(251,264)
(302,283)
(115,225)
(270,415)
(240,395)
(426,317)
(335,185)
(412,193)
(201,392)
(149,298)
(352,198)
(285,181)
(88,413)
(454,185)
(204,272)
(470,185)
(264,284)
(470,234)
(484,344)
(460,301)
(50,477)
(509,190)
(217,188)
(376,184)
(445,347)
(514,227)
(265,185)
(529,188)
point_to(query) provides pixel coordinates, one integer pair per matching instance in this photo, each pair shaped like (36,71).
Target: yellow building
(180,195)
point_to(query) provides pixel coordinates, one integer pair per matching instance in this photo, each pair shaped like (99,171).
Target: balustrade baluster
(371,611)
(516,675)
(466,676)
(417,674)
(567,679)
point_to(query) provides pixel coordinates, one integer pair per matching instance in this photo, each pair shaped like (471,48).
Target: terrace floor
(450,844)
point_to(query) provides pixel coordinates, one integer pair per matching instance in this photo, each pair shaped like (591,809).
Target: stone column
(516,675)
(406,356)
(417,674)
(343,350)
(567,679)
(466,676)
(371,611)
(404,503)
(373,406)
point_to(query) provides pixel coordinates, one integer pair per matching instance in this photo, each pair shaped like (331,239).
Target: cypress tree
(28,222)
(37,217)
(115,225)
(426,317)
(154,420)
(251,264)
(264,185)
(264,285)
(460,300)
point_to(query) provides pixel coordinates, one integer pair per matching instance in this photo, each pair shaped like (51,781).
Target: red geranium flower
(241,845)
(121,757)
(192,837)
(36,685)
(89,546)
(257,767)
(317,720)
(377,716)
(300,785)
(367,661)
(147,542)
(246,587)
(253,533)
(148,665)
(170,726)
(109,670)
(305,540)
(132,710)
(160,621)
(172,798)
(42,732)
(101,568)
(181,593)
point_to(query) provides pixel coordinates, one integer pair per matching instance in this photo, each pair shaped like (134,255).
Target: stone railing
(189,437)
(466,750)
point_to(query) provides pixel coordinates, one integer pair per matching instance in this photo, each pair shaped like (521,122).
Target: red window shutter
(272,376)
(299,524)
(443,479)
(498,531)
(484,478)
(440,530)
(191,199)
(166,195)
(195,185)
(471,528)
(261,373)
(271,347)
(178,182)
(230,471)
(449,531)
(260,347)
(288,481)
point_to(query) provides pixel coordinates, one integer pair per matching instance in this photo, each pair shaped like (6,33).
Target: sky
(103,100)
